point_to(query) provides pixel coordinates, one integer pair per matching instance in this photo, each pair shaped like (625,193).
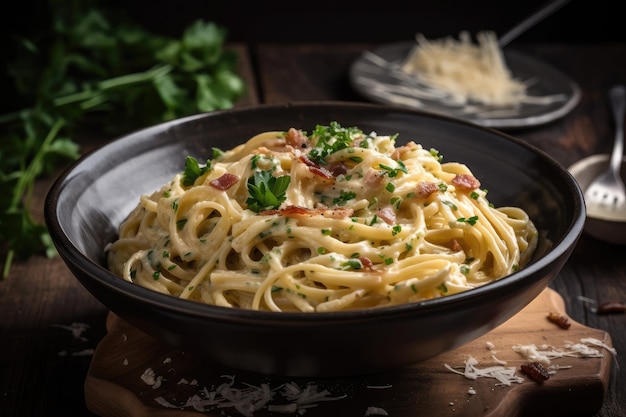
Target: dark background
(383,20)
(581,21)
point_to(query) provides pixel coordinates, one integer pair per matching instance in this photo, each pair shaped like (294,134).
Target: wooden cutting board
(118,384)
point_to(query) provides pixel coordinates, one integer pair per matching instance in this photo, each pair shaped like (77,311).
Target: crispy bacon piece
(466,182)
(224,182)
(316,168)
(291,211)
(338,169)
(559,320)
(366,262)
(535,371)
(373,178)
(387,214)
(296,138)
(425,189)
(398,153)
(611,307)
(455,245)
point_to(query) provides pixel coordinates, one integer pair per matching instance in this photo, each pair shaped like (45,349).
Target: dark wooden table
(43,307)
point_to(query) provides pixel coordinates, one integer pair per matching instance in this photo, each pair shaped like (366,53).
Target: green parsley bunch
(92,67)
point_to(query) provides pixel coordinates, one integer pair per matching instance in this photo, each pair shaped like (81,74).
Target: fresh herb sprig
(193,170)
(266,191)
(91,67)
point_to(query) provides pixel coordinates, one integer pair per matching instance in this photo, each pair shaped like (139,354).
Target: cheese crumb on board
(151,378)
(504,375)
(376,411)
(289,398)
(543,355)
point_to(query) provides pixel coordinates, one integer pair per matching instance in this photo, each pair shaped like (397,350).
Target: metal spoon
(607,191)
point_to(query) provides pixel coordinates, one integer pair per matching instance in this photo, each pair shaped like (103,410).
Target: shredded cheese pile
(466,71)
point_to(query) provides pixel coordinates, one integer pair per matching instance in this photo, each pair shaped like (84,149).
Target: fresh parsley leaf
(266,191)
(193,170)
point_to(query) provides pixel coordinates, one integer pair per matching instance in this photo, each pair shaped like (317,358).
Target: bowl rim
(68,251)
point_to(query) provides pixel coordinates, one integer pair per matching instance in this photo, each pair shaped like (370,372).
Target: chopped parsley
(331,139)
(393,172)
(470,220)
(344,197)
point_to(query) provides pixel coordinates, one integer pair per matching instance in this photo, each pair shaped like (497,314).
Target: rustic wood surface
(115,388)
(43,365)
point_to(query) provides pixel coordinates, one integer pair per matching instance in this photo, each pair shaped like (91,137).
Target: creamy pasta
(335,219)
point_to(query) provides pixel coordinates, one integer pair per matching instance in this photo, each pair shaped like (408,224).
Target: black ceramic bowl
(87,203)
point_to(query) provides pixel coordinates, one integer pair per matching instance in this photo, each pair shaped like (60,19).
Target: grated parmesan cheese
(504,375)
(545,354)
(289,398)
(376,411)
(464,70)
(77,329)
(150,378)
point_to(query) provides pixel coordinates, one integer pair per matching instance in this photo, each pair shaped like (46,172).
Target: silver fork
(608,190)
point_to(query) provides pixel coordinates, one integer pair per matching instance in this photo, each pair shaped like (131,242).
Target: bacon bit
(290,211)
(224,182)
(338,213)
(398,153)
(387,214)
(425,189)
(455,245)
(296,139)
(338,169)
(366,262)
(535,371)
(466,182)
(373,178)
(611,307)
(559,320)
(316,168)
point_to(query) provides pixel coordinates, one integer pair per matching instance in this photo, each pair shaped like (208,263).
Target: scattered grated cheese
(376,411)
(84,352)
(497,360)
(545,354)
(77,329)
(505,376)
(599,343)
(532,353)
(288,398)
(150,378)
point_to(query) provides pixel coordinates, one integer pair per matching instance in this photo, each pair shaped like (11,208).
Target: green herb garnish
(193,170)
(330,139)
(266,191)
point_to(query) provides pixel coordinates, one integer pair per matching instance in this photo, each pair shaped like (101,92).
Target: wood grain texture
(114,386)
